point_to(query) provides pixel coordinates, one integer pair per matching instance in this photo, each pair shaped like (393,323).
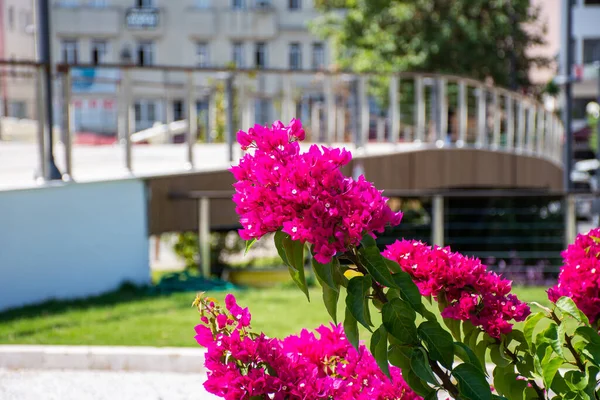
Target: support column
(204,235)
(364,110)
(330,109)
(530,133)
(462,114)
(192,119)
(394,110)
(229,106)
(67,126)
(510,122)
(481,118)
(41,118)
(497,120)
(539,144)
(521,126)
(570,219)
(419,109)
(437,220)
(443,112)
(127,116)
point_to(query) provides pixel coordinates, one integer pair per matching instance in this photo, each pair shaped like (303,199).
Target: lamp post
(51,171)
(567,60)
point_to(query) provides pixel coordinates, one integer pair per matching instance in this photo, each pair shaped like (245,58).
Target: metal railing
(425,110)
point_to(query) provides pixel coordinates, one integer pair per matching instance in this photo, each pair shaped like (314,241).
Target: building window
(202,54)
(69,51)
(295,56)
(178,112)
(238,4)
(264,4)
(145,53)
(295,4)
(145,3)
(591,50)
(17,109)
(202,3)
(262,111)
(238,55)
(318,56)
(99,51)
(260,55)
(145,114)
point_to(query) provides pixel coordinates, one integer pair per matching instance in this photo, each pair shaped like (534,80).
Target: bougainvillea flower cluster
(304,194)
(243,365)
(579,277)
(471,292)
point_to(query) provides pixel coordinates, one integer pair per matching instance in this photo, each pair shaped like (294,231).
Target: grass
(136,318)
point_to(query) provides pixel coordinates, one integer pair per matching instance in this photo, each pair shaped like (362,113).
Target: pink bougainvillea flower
(472,293)
(304,194)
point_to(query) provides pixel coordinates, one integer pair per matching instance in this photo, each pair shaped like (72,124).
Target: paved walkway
(100,385)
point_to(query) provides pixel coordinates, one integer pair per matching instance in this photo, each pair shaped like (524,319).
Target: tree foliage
(477,38)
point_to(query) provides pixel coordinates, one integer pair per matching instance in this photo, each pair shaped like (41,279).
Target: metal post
(168,107)
(394,110)
(539,144)
(510,122)
(51,171)
(204,235)
(437,222)
(481,121)
(330,107)
(570,219)
(41,137)
(530,133)
(462,114)
(420,109)
(192,119)
(497,120)
(229,106)
(67,116)
(443,112)
(568,95)
(520,126)
(127,116)
(364,111)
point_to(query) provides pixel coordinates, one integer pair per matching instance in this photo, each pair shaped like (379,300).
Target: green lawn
(133,317)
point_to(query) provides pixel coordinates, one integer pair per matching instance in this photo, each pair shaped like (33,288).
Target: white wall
(73,240)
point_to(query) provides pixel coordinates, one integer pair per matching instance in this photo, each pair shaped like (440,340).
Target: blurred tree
(480,39)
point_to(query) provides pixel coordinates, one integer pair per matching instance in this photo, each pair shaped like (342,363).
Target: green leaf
(357,301)
(399,320)
(416,383)
(419,364)
(438,341)
(576,380)
(393,266)
(503,379)
(374,262)
(292,253)
(408,290)
(330,299)
(481,349)
(559,385)
(592,352)
(590,334)
(472,384)
(454,326)
(325,273)
(530,324)
(568,306)
(399,356)
(496,357)
(379,349)
(249,244)
(551,369)
(554,339)
(351,329)
(466,354)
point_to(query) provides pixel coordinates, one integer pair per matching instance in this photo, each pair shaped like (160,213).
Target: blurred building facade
(17,42)
(252,34)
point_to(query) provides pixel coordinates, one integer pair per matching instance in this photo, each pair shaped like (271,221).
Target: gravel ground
(100,385)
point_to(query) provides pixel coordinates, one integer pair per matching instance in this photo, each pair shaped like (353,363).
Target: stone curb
(117,358)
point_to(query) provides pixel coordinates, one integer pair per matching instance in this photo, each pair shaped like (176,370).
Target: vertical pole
(539,144)
(462,114)
(394,111)
(570,219)
(204,235)
(51,171)
(212,115)
(192,119)
(530,133)
(420,109)
(364,111)
(510,122)
(437,228)
(481,118)
(330,106)
(41,137)
(520,126)
(380,129)
(315,121)
(549,134)
(567,106)
(128,116)
(497,120)
(443,112)
(229,106)
(598,122)
(67,116)
(168,108)
(341,122)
